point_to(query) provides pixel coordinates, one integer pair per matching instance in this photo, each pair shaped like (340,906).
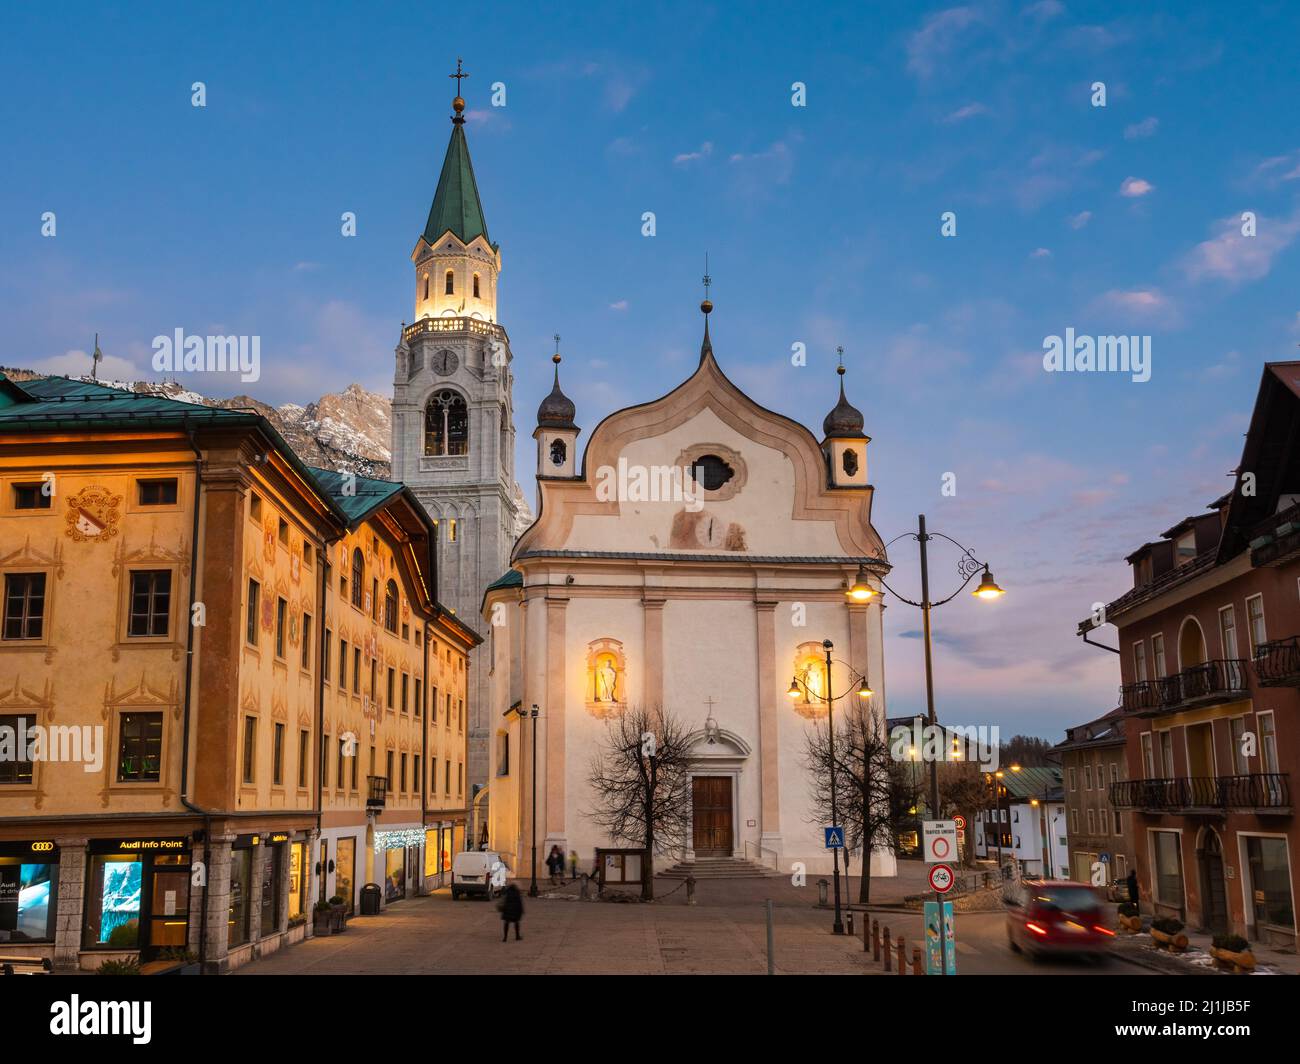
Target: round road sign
(960,821)
(941,878)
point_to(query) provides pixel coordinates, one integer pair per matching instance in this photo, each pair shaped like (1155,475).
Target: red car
(1055,916)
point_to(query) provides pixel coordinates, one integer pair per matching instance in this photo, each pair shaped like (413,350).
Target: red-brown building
(1209,641)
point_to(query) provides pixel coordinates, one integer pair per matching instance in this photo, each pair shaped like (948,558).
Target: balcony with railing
(1277,663)
(1260,792)
(376,792)
(435,326)
(1207,684)
(1277,539)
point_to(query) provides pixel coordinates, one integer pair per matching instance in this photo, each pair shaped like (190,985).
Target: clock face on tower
(445,363)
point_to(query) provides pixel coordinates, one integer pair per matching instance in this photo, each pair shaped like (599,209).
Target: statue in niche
(606,680)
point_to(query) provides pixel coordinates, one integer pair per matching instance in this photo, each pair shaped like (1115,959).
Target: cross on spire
(707,279)
(458,75)
(710,703)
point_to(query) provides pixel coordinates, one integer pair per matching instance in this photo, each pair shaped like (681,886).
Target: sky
(822,213)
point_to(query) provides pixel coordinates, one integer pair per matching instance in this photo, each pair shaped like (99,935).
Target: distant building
(1027,824)
(1092,759)
(1209,641)
(957,765)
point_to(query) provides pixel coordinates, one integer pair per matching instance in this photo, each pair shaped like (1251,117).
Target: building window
(388,769)
(372,603)
(255,507)
(390,606)
(1158,654)
(417,774)
(1148,756)
(1270,880)
(1167,754)
(460,778)
(16,768)
(1092,822)
(24,605)
(1255,622)
(281,613)
(283,531)
(1267,742)
(446,777)
(503,754)
(338,769)
(250,746)
(449,287)
(306,643)
(446,424)
(254,599)
(356,672)
(402,778)
(1119,824)
(304,757)
(406,690)
(32,497)
(151,601)
(1237,737)
(358,576)
(419,704)
(1140,662)
(1228,631)
(1168,869)
(392,676)
(559,452)
(139,756)
(1073,778)
(476,295)
(1087,777)
(157,492)
(433,706)
(1074,820)
(277,756)
(324,761)
(325,656)
(343,664)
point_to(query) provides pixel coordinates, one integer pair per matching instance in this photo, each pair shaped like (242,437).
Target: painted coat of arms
(93,513)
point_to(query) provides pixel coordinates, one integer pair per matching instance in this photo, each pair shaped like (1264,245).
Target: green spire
(456,204)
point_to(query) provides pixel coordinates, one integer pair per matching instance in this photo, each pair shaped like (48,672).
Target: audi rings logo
(42,847)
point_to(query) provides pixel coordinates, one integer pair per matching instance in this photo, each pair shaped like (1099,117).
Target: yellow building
(170,673)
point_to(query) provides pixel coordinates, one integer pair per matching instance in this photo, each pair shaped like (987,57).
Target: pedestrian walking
(511,906)
(555,865)
(1132,883)
(573,865)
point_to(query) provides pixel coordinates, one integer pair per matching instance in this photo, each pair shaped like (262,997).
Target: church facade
(453,417)
(692,560)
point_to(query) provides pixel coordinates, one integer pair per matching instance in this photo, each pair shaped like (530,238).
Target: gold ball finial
(706,307)
(458,104)
(556,358)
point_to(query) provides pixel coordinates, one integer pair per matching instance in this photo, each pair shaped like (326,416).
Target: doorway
(1215,904)
(711,816)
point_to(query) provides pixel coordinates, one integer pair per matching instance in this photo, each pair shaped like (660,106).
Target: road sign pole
(943,936)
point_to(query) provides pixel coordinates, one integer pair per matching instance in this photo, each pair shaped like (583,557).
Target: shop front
(29,892)
(137,895)
(398,861)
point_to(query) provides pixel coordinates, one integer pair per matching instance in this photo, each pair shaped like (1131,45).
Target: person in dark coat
(512,911)
(1132,883)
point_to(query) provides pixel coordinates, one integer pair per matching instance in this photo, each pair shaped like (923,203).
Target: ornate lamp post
(798,687)
(532,886)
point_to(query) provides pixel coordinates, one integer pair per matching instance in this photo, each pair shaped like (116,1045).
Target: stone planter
(338,919)
(322,922)
(1242,963)
(1173,943)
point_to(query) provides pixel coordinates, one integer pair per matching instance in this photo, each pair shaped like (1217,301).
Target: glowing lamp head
(794,689)
(860,590)
(988,588)
(864,689)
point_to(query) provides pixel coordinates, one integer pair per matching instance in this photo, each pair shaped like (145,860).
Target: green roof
(456,204)
(1032,781)
(511,578)
(363,495)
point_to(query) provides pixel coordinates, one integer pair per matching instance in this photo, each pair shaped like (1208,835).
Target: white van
(471,873)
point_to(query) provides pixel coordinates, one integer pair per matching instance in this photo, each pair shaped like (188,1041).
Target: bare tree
(874,793)
(966,794)
(642,784)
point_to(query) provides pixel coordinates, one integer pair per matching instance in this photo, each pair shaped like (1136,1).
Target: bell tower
(453,411)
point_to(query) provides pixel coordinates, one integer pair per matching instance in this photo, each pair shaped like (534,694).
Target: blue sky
(822,223)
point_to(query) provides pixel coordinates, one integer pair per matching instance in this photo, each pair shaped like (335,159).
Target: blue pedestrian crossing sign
(834,838)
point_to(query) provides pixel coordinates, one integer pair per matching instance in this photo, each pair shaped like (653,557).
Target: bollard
(889,953)
(690,890)
(851,932)
(821,892)
(902,957)
(917,969)
(875,940)
(585,892)
(866,932)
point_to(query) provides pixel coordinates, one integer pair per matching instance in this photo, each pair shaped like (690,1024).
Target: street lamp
(532,886)
(967,567)
(797,687)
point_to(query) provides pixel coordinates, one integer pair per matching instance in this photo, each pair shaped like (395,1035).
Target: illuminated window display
(138,893)
(345,869)
(29,875)
(241,871)
(394,875)
(431,852)
(297,880)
